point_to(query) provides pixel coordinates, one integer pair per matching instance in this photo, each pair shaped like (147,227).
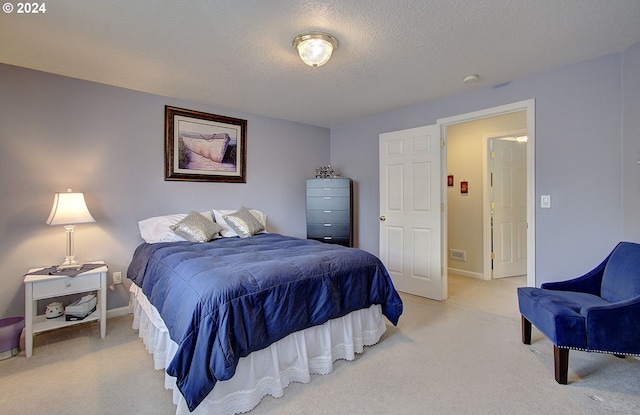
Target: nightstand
(38,287)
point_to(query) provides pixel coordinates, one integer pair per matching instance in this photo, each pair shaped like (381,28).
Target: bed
(237,318)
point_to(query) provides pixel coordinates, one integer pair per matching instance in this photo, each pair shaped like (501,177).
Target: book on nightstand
(81,308)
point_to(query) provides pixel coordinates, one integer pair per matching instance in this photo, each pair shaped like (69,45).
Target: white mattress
(268,371)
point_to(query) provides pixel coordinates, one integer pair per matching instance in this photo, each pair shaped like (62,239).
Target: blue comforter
(224,299)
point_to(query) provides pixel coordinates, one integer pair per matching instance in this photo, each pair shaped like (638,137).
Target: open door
(509,207)
(410,210)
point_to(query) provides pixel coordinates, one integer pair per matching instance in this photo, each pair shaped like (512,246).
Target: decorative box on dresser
(330,210)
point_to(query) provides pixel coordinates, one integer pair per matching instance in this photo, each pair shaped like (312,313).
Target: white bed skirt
(268,371)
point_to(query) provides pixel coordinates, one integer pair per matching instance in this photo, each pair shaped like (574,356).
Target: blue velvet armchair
(597,312)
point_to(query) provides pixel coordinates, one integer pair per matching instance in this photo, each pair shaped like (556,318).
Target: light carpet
(460,356)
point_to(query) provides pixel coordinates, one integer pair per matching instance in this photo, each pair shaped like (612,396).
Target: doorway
(432,197)
(467,245)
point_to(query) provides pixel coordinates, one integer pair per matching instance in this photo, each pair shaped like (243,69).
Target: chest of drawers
(330,210)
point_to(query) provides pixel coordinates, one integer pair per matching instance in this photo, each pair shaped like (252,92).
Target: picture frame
(204,147)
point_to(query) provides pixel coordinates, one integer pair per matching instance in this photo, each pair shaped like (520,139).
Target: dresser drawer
(327,229)
(328,191)
(333,183)
(328,203)
(328,216)
(334,240)
(66,285)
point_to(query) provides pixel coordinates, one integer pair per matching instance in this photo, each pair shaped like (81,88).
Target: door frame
(529,106)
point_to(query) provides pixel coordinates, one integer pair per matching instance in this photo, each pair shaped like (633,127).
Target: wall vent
(458,254)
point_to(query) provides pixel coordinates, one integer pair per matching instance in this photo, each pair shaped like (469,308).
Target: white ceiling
(238,54)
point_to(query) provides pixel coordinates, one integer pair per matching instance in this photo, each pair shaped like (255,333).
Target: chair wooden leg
(526,331)
(561,364)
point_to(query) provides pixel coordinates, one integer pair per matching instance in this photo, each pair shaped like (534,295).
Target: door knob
(383,218)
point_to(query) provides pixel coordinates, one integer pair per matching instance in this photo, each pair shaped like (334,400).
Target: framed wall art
(204,147)
(464,187)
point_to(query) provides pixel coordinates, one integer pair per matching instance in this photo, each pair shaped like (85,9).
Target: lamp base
(69,263)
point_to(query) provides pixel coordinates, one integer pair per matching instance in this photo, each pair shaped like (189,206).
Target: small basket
(10,331)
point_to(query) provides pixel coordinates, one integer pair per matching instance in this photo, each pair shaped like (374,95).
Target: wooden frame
(204,147)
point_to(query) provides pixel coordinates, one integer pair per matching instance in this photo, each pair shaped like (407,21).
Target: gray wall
(578,158)
(58,133)
(631,144)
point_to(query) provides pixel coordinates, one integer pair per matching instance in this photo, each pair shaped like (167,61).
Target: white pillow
(158,228)
(227,230)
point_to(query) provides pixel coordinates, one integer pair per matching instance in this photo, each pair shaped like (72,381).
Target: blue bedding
(224,299)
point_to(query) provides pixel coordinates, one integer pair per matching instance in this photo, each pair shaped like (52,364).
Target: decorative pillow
(227,230)
(157,229)
(196,228)
(243,222)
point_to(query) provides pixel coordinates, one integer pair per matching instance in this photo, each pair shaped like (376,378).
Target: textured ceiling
(238,54)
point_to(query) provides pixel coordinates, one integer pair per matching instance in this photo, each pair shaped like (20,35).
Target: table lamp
(69,209)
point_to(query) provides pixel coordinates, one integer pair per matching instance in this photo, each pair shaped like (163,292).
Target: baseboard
(117,312)
(464,273)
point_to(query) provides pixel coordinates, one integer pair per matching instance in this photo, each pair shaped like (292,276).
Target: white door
(410,210)
(509,208)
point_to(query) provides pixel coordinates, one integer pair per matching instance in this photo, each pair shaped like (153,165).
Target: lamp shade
(69,209)
(315,48)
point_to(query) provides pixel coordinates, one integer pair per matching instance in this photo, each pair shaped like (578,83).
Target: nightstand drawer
(66,285)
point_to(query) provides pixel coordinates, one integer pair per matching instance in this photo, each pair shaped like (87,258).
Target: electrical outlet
(545,201)
(117,277)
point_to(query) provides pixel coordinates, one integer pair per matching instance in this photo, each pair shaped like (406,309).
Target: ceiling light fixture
(315,48)
(471,78)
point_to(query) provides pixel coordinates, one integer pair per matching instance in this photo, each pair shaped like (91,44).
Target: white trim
(118,312)
(529,106)
(464,273)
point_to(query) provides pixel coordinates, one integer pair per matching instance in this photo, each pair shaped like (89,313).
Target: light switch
(545,201)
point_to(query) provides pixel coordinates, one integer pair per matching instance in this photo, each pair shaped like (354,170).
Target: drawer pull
(326,211)
(327,188)
(327,237)
(327,224)
(327,198)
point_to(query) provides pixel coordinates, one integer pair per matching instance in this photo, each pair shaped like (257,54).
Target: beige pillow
(227,231)
(196,228)
(244,223)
